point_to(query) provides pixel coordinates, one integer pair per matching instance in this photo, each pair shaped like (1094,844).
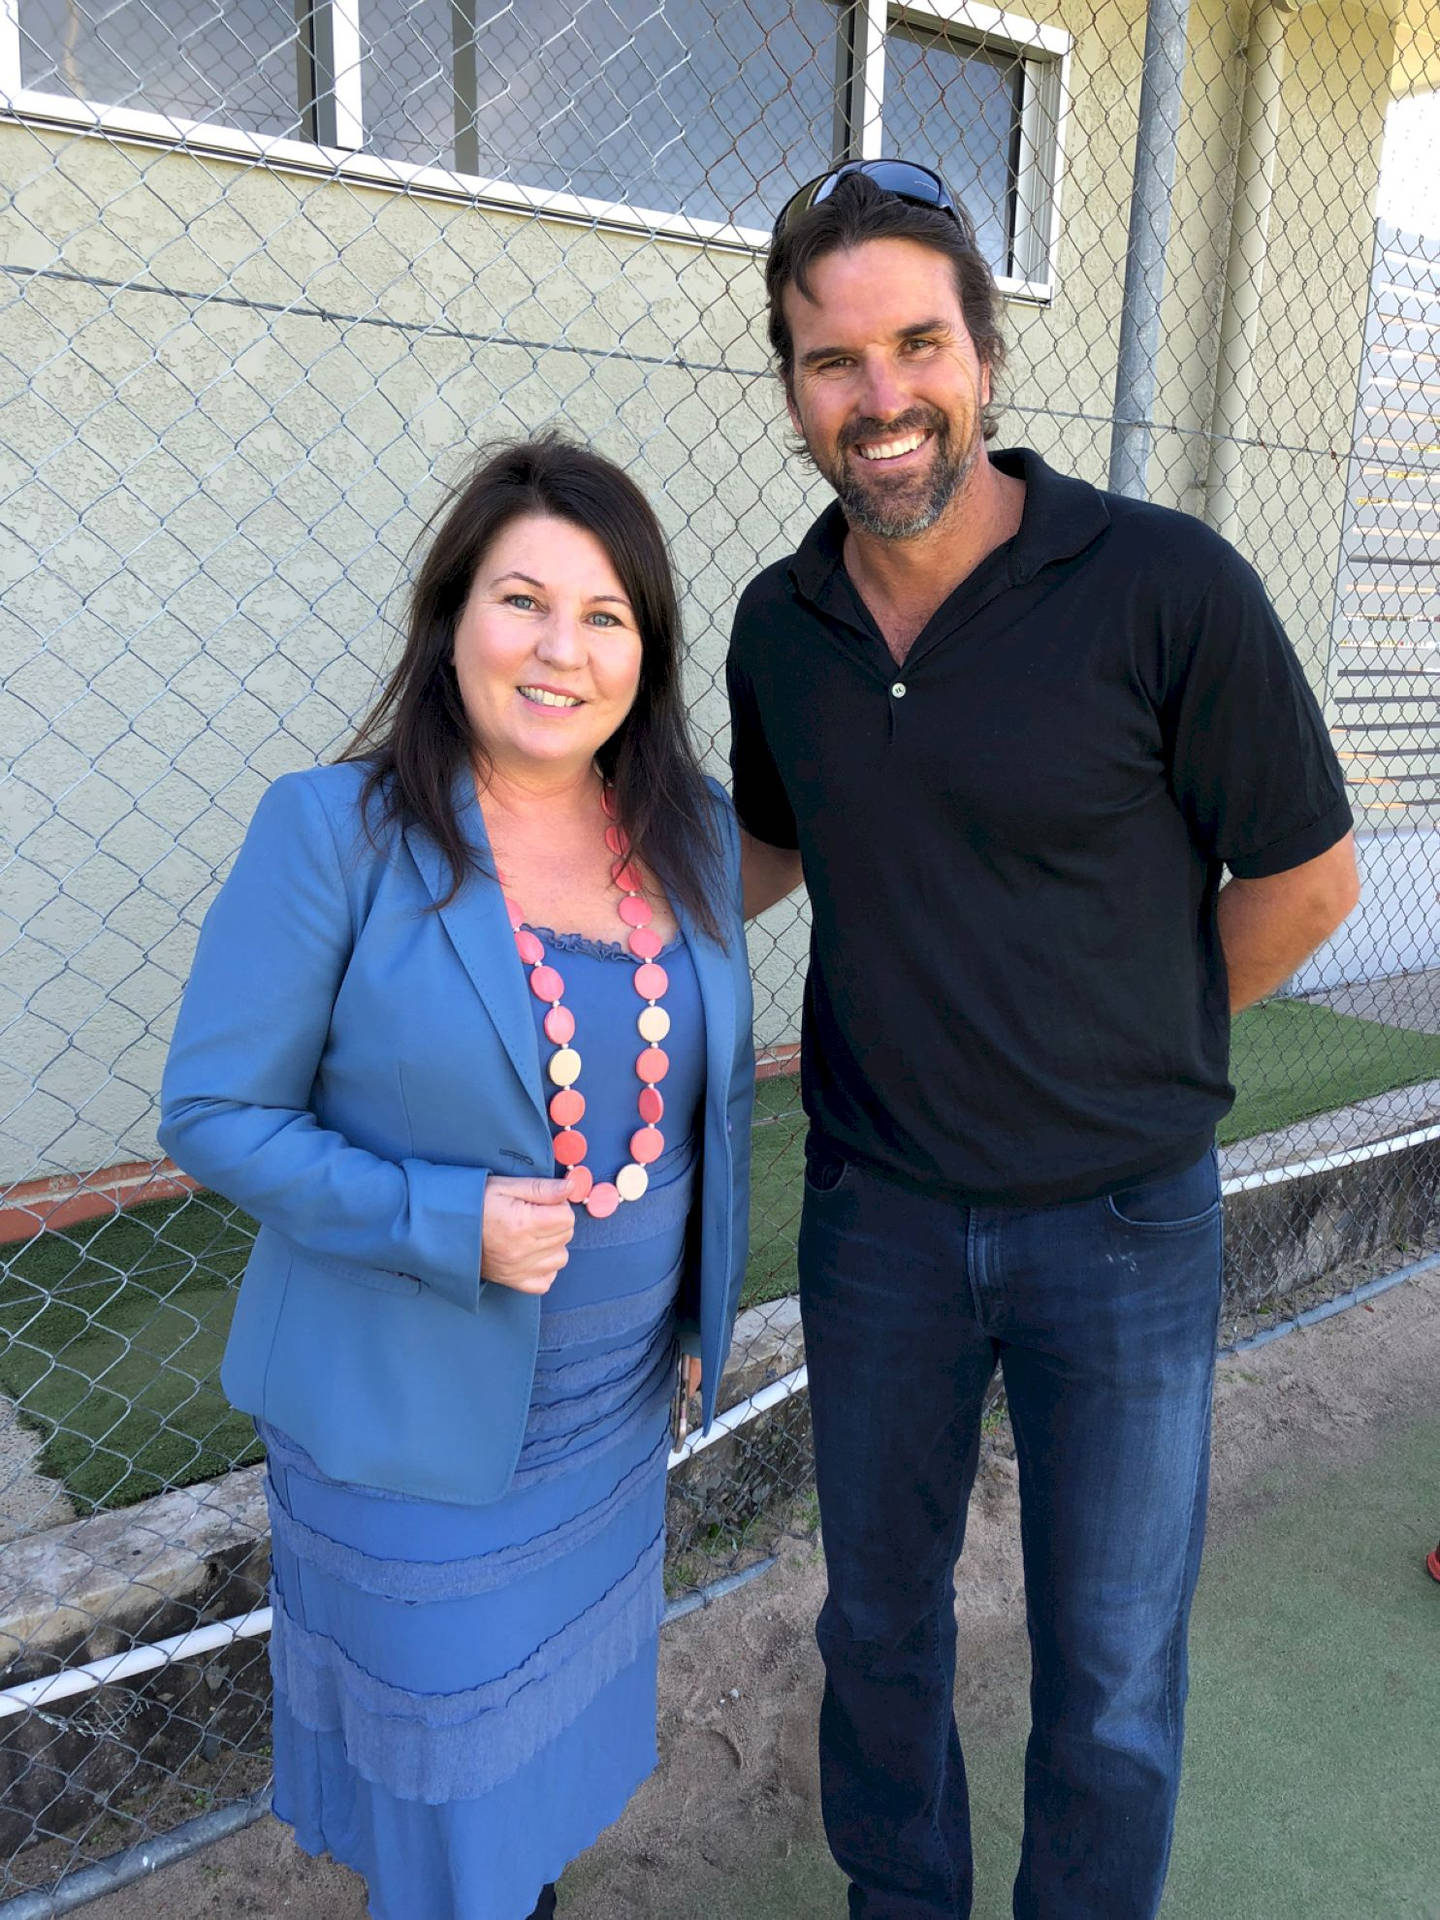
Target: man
(1011,728)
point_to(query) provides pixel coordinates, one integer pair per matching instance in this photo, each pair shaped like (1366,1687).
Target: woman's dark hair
(857,211)
(417,735)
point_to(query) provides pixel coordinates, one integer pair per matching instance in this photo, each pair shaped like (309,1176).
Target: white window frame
(1046,53)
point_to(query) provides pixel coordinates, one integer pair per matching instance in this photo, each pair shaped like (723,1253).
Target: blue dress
(465,1696)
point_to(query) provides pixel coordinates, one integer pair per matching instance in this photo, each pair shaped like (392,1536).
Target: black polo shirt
(1013,843)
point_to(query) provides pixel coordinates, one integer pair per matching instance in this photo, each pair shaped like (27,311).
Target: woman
(421,1045)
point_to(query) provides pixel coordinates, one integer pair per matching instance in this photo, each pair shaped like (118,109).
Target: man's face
(887,389)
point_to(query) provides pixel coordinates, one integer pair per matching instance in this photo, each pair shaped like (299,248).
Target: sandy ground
(734,1805)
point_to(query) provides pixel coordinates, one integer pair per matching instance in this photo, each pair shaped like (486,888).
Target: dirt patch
(737,1790)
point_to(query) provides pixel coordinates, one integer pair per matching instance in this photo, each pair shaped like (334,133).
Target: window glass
(712,108)
(957,108)
(228,61)
(407,72)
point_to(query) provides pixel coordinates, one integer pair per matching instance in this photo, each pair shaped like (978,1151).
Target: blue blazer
(349,1065)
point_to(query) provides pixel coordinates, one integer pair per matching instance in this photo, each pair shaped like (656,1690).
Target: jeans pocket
(1170,1202)
(825,1169)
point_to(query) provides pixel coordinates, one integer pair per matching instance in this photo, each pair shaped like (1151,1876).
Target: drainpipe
(1245,272)
(1166,27)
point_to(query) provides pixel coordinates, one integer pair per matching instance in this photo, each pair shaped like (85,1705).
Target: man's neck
(904,582)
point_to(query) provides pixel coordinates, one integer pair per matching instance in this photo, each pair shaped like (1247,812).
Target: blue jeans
(1103,1316)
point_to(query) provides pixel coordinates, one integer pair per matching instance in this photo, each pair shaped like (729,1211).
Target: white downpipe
(1245,271)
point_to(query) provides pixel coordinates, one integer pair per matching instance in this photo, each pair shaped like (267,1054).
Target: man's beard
(907,506)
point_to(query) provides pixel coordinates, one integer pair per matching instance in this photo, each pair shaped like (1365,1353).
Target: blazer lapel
(479,930)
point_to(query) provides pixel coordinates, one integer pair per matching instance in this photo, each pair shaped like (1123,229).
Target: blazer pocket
(377,1279)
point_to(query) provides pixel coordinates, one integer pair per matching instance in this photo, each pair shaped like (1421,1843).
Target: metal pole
(1166,28)
(135,1863)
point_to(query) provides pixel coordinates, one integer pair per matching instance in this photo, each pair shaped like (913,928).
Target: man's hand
(767,873)
(1270,927)
(524,1232)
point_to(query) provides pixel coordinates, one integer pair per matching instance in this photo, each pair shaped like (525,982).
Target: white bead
(654,1024)
(631,1181)
(564,1067)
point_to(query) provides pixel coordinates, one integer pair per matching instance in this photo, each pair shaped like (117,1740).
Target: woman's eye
(605,619)
(524,601)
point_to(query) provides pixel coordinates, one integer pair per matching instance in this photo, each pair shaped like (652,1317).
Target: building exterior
(271,277)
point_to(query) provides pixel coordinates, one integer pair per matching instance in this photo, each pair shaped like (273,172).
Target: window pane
(229,61)
(707,107)
(958,109)
(407,72)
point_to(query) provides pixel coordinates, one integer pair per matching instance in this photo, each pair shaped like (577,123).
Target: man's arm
(1270,927)
(767,873)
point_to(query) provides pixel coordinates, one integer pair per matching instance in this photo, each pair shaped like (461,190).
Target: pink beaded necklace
(567,1105)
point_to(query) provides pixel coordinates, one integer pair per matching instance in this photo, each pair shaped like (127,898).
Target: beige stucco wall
(231,394)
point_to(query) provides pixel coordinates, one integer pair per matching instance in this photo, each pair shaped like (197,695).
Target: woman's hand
(524,1231)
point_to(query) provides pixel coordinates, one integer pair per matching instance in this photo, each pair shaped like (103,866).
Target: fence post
(1166,31)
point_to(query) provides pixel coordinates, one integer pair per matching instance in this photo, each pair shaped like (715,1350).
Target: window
(228,60)
(693,106)
(688,115)
(962,105)
(978,94)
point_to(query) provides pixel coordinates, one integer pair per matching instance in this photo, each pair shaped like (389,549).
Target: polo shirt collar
(1062,516)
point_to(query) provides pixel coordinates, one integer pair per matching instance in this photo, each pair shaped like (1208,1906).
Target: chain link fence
(270,274)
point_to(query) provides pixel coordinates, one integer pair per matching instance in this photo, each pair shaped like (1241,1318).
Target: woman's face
(547,649)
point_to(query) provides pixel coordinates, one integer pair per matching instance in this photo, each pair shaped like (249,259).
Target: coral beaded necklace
(567,1105)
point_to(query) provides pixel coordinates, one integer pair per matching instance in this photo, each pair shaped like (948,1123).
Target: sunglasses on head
(906,179)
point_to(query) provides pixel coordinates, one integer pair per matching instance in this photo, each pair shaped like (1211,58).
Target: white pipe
(743,1410)
(1329,1162)
(123,1666)
(1245,270)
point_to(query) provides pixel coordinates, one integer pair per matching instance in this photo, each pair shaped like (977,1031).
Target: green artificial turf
(1289,1060)
(111,1333)
(110,1341)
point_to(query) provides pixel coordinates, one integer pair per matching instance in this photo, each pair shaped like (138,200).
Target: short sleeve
(1251,762)
(761,804)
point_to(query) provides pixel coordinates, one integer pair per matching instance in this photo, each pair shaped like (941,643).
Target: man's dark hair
(417,735)
(858,211)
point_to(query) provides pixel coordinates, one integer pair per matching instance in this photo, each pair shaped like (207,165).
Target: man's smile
(893,449)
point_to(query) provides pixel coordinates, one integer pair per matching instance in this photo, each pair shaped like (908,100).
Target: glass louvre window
(407,67)
(231,62)
(957,107)
(701,107)
(712,110)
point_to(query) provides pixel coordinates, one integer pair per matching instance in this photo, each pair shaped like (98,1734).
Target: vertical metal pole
(1166,25)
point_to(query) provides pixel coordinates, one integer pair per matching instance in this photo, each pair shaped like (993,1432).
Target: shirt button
(898,690)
